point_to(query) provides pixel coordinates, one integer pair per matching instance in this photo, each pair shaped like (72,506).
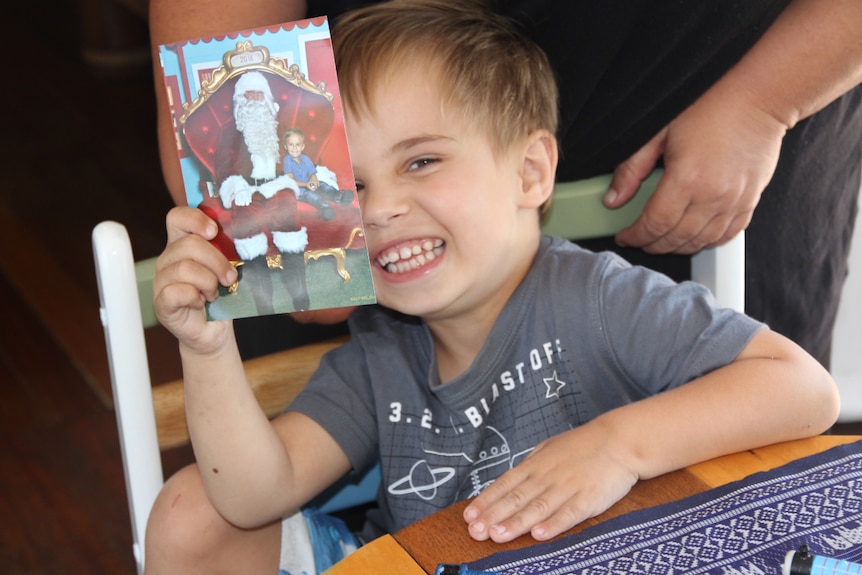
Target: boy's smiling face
(295,145)
(449,227)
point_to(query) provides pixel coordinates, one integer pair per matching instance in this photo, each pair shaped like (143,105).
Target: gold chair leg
(340,256)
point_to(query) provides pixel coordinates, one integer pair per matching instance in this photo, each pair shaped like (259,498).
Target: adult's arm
(722,151)
(175,20)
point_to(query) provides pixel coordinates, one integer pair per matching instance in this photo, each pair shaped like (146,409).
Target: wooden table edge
(442,537)
(383,555)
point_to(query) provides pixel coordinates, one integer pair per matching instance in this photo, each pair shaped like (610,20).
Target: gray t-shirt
(584,333)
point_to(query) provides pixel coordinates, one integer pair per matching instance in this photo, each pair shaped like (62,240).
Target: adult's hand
(719,155)
(721,152)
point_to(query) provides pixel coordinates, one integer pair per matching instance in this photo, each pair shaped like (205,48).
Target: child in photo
(303,171)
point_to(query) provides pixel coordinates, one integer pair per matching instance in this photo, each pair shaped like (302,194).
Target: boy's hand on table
(564,481)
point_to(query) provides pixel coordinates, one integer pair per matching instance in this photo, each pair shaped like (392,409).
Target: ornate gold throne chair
(208,129)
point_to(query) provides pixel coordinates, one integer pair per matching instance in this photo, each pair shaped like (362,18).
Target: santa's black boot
(256,278)
(293,277)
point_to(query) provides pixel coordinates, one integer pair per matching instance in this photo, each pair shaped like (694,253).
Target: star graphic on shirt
(554,385)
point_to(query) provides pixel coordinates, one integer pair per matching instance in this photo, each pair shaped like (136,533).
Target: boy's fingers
(507,511)
(202,275)
(544,516)
(203,278)
(182,221)
(193,249)
(180,296)
(566,516)
(535,511)
(480,514)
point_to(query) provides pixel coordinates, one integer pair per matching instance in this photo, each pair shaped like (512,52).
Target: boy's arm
(254,471)
(772,392)
(306,166)
(311,186)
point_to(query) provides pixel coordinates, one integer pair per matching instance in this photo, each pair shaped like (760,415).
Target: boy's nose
(382,205)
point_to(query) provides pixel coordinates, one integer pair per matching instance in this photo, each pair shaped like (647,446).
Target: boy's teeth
(408,258)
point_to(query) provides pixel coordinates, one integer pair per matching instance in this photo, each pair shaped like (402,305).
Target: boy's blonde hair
(292,132)
(485,69)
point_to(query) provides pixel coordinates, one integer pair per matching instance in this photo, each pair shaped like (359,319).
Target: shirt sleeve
(339,397)
(663,334)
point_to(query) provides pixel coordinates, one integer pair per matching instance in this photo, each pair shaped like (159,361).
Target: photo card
(260,136)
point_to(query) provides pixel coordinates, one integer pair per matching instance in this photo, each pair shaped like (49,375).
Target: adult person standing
(752,106)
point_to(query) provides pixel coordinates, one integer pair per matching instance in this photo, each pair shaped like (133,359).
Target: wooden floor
(83,150)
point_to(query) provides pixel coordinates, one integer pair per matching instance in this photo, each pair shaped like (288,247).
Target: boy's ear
(539,169)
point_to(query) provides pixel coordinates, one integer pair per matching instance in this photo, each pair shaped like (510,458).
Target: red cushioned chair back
(211,127)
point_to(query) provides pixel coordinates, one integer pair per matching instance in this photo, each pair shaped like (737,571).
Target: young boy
(303,171)
(542,379)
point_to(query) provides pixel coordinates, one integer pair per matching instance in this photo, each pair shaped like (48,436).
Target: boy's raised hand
(188,273)
(565,480)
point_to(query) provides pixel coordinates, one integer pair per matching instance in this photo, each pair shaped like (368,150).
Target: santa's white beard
(254,118)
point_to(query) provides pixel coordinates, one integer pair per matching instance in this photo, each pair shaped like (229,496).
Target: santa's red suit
(258,205)
(260,222)
(255,206)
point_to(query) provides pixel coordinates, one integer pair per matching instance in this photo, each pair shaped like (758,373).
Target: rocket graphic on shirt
(445,453)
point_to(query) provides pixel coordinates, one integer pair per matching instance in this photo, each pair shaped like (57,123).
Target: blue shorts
(312,542)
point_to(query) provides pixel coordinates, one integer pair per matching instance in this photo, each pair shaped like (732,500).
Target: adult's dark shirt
(625,68)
